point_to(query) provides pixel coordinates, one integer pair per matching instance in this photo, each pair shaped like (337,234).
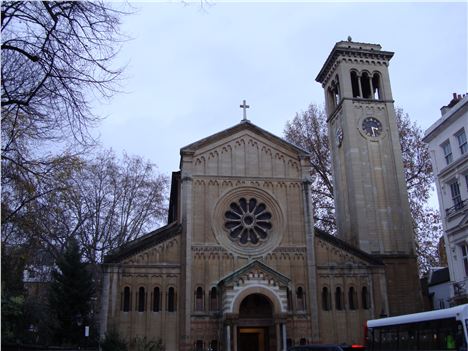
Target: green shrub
(113,342)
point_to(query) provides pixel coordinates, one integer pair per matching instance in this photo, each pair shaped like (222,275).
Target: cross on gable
(244,106)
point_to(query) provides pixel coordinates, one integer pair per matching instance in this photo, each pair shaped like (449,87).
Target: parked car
(327,347)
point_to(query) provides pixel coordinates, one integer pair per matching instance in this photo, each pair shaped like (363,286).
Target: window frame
(462,144)
(447,151)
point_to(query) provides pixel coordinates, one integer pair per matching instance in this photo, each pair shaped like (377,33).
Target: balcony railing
(458,207)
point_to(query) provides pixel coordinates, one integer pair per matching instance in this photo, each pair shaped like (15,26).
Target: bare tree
(117,202)
(56,56)
(103,203)
(309,131)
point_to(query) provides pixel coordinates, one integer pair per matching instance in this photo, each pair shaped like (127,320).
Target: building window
(447,149)
(365,298)
(462,143)
(289,295)
(213,299)
(326,299)
(171,307)
(141,299)
(377,90)
(365,86)
(456,197)
(248,221)
(126,303)
(199,299)
(355,84)
(466,181)
(338,299)
(300,299)
(156,300)
(464,249)
(352,298)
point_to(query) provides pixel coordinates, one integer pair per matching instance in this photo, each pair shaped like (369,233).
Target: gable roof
(144,242)
(245,124)
(439,276)
(343,245)
(254,264)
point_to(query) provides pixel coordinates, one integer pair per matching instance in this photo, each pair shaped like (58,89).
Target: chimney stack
(456,98)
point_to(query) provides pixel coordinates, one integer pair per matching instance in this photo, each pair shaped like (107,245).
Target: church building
(240,266)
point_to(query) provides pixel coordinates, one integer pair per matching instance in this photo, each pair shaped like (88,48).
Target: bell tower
(371,200)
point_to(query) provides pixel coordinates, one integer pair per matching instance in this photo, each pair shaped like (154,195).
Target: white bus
(433,330)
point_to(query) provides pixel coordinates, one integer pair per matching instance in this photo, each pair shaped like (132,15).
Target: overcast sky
(189,68)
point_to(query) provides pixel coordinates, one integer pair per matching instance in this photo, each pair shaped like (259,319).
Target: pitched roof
(144,242)
(236,128)
(232,276)
(439,276)
(333,240)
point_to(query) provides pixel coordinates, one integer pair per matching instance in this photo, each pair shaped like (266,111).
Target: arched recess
(276,301)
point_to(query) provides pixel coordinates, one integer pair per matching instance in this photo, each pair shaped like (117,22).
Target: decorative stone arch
(276,301)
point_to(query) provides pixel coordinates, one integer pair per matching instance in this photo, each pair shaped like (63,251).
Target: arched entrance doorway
(256,330)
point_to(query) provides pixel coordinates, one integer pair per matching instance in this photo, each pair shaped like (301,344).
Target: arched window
(156,300)
(171,307)
(326,303)
(289,296)
(365,298)
(377,89)
(213,299)
(199,299)
(141,299)
(352,298)
(126,303)
(355,84)
(300,299)
(366,86)
(338,299)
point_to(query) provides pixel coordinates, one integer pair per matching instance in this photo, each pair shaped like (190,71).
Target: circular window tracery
(247,215)
(248,221)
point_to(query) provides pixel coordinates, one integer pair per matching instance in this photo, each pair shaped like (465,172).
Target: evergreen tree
(70,296)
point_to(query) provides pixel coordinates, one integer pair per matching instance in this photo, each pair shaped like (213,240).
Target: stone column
(311,295)
(105,301)
(228,337)
(360,87)
(278,335)
(234,336)
(285,344)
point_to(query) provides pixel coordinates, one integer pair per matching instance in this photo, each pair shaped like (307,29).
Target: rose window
(247,221)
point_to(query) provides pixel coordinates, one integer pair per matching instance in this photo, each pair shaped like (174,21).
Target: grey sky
(190,68)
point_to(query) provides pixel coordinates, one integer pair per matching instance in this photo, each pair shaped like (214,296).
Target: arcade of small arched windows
(212,302)
(363,85)
(341,300)
(143,302)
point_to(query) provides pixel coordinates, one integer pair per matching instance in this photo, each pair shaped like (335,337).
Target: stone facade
(240,265)
(447,142)
(371,200)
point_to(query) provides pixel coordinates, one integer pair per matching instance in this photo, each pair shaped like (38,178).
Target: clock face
(372,127)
